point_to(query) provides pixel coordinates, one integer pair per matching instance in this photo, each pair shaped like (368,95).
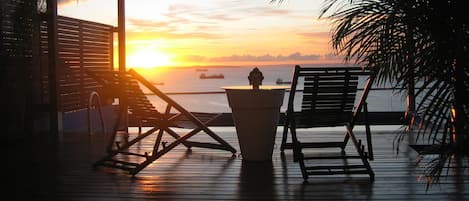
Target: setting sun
(148,59)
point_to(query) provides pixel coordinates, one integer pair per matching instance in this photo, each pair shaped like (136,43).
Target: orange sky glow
(215,32)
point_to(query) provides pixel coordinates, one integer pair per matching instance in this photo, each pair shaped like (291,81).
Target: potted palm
(409,43)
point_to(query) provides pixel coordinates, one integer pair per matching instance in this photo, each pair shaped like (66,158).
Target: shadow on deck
(43,169)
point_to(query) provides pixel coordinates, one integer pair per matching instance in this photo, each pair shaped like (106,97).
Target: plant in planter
(410,42)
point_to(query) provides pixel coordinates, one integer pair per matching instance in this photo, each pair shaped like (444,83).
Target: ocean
(175,80)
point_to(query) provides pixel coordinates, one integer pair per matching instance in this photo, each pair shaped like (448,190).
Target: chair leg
(361,152)
(284,137)
(346,139)
(303,167)
(297,152)
(368,131)
(298,155)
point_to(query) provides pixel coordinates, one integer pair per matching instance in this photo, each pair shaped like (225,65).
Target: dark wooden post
(122,61)
(53,56)
(121,34)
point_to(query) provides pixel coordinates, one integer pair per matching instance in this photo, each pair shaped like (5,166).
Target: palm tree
(408,42)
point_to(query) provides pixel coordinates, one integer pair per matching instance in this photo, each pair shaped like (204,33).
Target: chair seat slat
(328,97)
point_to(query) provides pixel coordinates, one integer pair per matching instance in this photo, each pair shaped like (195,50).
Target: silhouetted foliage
(421,41)
(414,41)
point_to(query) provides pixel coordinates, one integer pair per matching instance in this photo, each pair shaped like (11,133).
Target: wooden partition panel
(81,45)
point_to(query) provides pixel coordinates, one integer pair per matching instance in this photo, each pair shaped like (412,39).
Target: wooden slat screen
(329,95)
(16,66)
(81,45)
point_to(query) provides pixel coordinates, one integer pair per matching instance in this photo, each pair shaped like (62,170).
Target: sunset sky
(215,32)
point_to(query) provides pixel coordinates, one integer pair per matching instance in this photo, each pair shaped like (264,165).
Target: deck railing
(374,117)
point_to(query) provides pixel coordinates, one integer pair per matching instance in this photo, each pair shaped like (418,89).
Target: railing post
(122,55)
(52,73)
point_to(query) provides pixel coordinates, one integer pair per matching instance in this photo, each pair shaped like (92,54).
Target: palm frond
(413,41)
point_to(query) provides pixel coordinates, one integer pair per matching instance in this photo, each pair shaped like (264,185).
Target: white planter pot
(256,115)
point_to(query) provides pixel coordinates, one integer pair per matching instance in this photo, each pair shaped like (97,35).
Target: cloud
(181,8)
(265,11)
(332,56)
(297,57)
(144,29)
(267,57)
(189,20)
(147,24)
(223,17)
(151,35)
(195,13)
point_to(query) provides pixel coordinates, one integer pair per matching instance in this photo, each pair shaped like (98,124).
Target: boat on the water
(280,81)
(216,76)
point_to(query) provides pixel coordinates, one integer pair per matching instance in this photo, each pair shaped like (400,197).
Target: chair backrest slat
(138,104)
(329,94)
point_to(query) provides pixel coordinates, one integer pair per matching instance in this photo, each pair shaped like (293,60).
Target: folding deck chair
(121,154)
(328,100)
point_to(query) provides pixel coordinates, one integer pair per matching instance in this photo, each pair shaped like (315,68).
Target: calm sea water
(187,80)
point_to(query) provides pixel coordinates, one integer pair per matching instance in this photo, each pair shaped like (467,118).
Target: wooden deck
(39,170)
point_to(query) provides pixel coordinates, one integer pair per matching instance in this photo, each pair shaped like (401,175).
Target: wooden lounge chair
(327,100)
(142,112)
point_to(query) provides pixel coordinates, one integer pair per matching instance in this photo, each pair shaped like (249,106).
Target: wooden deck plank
(39,170)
